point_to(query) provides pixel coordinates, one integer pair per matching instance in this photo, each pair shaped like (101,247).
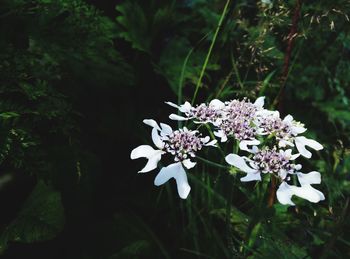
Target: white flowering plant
(268,145)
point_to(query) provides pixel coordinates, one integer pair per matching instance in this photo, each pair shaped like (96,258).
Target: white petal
(186,107)
(218,133)
(284,143)
(166,129)
(174,171)
(243,145)
(309,193)
(239,162)
(284,194)
(288,118)
(200,122)
(206,142)
(276,114)
(255,149)
(260,131)
(259,103)
(283,174)
(176,117)
(310,142)
(166,173)
(156,139)
(217,123)
(221,134)
(142,151)
(151,123)
(301,142)
(173,105)
(265,112)
(251,177)
(205,139)
(310,178)
(188,163)
(289,155)
(148,152)
(298,130)
(297,167)
(302,150)
(295,156)
(287,152)
(217,104)
(212,143)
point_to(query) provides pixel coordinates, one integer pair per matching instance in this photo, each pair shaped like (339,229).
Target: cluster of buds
(271,161)
(272,145)
(183,143)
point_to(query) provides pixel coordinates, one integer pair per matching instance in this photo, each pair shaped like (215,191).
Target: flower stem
(179,93)
(272,192)
(213,137)
(209,51)
(286,67)
(212,163)
(182,75)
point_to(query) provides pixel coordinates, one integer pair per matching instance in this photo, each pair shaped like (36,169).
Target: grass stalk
(209,51)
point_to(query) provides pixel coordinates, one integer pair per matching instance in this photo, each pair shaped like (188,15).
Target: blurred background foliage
(77,78)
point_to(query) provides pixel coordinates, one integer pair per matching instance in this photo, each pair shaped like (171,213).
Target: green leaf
(172,61)
(133,250)
(134,25)
(275,247)
(41,218)
(8,115)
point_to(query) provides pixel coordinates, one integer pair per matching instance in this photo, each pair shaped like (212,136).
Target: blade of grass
(182,75)
(153,236)
(209,51)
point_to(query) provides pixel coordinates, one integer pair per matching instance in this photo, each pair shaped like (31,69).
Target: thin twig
(272,192)
(223,85)
(287,57)
(279,99)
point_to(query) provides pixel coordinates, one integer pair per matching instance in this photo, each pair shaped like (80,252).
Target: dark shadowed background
(78,77)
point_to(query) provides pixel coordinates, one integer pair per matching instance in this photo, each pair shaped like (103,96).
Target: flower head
(182,144)
(280,164)
(250,125)
(239,122)
(265,161)
(286,132)
(203,113)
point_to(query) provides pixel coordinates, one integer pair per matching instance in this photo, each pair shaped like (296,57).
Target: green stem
(239,80)
(213,137)
(212,163)
(179,93)
(209,52)
(182,76)
(229,238)
(222,87)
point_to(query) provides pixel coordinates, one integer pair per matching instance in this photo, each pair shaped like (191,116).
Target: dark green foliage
(41,218)
(76,84)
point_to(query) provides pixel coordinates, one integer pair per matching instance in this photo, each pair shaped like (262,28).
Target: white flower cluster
(182,144)
(268,140)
